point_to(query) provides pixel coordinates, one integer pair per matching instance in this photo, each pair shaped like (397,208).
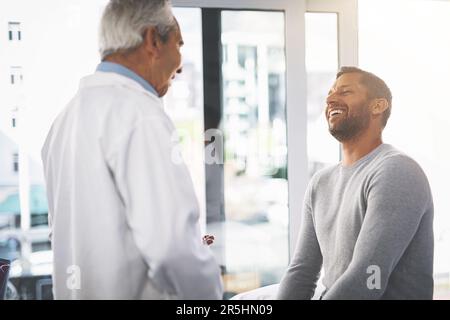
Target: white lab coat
(123,215)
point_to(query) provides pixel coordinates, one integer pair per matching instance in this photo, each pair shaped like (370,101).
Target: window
(23,206)
(16,75)
(244,196)
(14,32)
(255,184)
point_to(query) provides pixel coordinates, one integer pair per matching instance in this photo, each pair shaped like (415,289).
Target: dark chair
(4,272)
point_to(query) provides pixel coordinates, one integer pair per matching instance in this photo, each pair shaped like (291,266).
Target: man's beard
(350,127)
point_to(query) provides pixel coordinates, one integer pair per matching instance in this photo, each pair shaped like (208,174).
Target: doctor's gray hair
(124,23)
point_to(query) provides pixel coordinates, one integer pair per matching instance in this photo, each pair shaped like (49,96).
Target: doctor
(123,214)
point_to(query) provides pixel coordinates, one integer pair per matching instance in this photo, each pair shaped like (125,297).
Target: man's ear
(152,41)
(379,105)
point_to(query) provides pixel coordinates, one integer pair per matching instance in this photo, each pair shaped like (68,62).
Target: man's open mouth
(335,112)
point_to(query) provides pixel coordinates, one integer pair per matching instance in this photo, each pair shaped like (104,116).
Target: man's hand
(208,239)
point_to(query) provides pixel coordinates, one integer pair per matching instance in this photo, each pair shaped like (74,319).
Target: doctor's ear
(379,106)
(152,40)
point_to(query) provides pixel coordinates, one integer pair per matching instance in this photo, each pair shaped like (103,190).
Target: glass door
(244,90)
(253,90)
(254,223)
(255,108)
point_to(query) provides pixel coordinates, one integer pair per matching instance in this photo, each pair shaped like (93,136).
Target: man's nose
(331,98)
(180,70)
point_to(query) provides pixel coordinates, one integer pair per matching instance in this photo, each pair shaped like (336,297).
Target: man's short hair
(376,88)
(124,22)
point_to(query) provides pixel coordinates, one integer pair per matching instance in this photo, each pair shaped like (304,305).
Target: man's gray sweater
(370,226)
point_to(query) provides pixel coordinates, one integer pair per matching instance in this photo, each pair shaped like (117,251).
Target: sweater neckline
(363,159)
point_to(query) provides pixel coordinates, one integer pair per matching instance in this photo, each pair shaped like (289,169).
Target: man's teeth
(334,112)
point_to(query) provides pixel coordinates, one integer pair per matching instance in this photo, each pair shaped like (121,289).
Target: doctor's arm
(162,212)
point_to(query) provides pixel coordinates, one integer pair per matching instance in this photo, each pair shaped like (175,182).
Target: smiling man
(368,221)
(124,215)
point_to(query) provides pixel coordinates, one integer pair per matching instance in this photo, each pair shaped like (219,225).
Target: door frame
(347,11)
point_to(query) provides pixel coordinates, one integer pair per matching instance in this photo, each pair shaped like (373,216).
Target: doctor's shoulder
(131,105)
(148,109)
